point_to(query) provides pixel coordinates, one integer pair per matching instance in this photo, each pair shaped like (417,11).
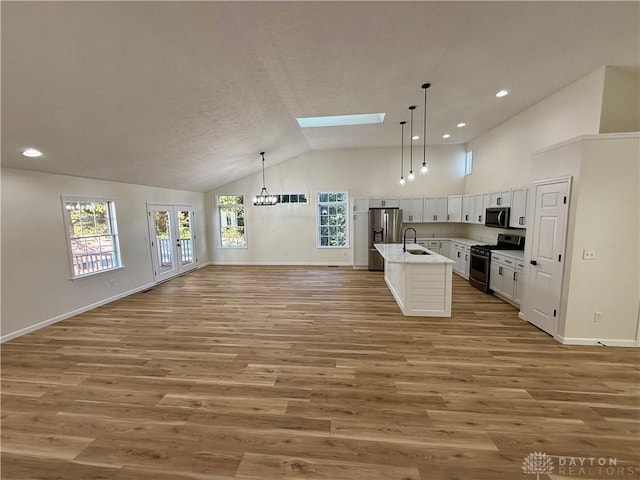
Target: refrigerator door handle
(385,216)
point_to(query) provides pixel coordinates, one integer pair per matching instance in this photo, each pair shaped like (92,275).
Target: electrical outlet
(588,254)
(597,317)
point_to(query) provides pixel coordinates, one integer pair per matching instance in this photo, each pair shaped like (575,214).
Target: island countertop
(392,253)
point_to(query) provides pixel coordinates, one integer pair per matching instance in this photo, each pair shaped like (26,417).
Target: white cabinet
(482,202)
(361,233)
(384,203)
(517,218)
(504,278)
(411,210)
(454,208)
(500,199)
(468,208)
(445,248)
(461,257)
(435,209)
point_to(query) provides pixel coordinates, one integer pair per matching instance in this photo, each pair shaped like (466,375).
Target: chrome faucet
(404,238)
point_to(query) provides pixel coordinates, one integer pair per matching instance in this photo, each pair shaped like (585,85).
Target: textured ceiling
(185,94)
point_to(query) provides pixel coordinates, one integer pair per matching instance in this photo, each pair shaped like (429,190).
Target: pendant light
(411,177)
(402,181)
(424,170)
(264,198)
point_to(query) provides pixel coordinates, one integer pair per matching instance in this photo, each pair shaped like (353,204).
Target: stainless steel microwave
(497,217)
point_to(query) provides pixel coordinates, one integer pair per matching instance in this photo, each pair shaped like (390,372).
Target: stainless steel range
(480,266)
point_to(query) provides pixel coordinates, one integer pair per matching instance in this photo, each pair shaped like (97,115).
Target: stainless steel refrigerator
(385,226)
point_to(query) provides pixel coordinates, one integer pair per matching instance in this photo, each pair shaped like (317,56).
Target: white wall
(36,284)
(287,234)
(502,156)
(621,101)
(607,222)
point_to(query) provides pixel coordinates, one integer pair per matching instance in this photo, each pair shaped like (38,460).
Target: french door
(171,231)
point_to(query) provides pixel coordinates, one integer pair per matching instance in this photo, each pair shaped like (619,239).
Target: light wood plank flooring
(308,373)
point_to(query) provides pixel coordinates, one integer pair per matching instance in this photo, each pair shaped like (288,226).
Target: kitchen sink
(418,252)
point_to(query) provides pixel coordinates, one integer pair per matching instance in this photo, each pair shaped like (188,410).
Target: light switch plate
(588,254)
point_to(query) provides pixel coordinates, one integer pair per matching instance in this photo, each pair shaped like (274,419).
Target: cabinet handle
(410,218)
(458,254)
(466,218)
(435,217)
(533,262)
(499,270)
(466,257)
(499,202)
(521,222)
(480,218)
(514,276)
(448,217)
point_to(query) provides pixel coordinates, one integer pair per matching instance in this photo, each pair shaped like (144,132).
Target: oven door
(479,272)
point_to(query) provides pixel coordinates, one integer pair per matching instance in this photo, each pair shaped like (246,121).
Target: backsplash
(481,233)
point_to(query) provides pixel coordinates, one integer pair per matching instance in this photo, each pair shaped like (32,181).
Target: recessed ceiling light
(31,152)
(446,135)
(502,93)
(416,137)
(461,124)
(341,120)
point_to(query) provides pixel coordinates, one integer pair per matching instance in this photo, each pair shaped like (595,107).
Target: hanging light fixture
(411,177)
(424,170)
(402,181)
(264,198)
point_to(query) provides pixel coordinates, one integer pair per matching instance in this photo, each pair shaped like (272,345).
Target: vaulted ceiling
(185,94)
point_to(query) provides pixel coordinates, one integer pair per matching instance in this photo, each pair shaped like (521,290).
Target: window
(293,198)
(468,163)
(232,227)
(333,227)
(92,234)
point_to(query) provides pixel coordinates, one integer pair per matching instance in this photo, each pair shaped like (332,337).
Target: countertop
(392,252)
(517,254)
(463,241)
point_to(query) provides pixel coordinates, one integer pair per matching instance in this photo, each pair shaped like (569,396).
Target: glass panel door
(162,242)
(171,232)
(185,242)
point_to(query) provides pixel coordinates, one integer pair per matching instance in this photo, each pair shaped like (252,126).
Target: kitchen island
(420,281)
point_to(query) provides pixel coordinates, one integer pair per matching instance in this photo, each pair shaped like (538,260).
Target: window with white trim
(231,212)
(333,219)
(92,235)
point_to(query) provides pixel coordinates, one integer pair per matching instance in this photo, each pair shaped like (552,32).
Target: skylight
(341,120)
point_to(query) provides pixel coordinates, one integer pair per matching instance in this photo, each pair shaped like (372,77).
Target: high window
(468,163)
(333,224)
(92,235)
(293,198)
(232,221)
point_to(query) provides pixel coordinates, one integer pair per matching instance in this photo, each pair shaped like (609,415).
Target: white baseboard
(285,264)
(608,342)
(521,316)
(58,318)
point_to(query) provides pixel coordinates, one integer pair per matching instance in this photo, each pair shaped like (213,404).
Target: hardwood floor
(309,373)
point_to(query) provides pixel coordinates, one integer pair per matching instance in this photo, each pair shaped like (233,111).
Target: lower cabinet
(461,257)
(504,278)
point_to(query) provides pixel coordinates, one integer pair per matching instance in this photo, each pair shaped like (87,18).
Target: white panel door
(547,255)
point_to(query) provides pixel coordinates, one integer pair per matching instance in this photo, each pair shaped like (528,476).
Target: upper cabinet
(517,218)
(500,199)
(411,210)
(468,208)
(482,202)
(454,209)
(384,203)
(435,209)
